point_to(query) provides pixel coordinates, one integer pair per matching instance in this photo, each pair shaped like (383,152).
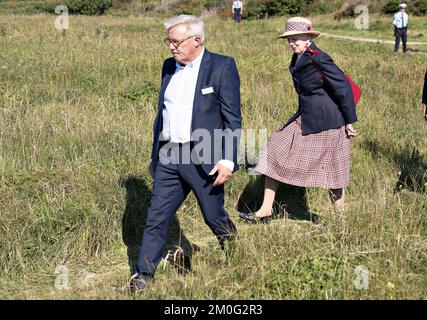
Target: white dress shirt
(179,99)
(400,20)
(237,5)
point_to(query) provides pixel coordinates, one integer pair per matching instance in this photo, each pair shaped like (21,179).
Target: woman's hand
(351,132)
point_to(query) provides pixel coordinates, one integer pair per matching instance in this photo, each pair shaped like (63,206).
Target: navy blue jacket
(425,89)
(217,110)
(320,108)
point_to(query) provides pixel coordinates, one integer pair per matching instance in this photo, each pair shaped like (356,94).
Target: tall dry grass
(76,111)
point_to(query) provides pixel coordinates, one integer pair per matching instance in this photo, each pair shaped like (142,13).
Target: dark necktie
(403,21)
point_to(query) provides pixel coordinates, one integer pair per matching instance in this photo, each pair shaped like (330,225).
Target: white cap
(402,5)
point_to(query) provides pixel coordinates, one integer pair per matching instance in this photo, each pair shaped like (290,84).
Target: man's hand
(224,174)
(351,132)
(425,112)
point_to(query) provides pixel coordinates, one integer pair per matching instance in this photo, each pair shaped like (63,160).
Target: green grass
(380,27)
(76,111)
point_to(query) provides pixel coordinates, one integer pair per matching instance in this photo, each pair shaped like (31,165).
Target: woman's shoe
(251,218)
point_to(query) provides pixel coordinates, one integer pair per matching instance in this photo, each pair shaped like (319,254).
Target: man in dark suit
(425,97)
(199,98)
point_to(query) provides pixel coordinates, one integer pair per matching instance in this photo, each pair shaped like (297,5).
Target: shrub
(47,6)
(348,9)
(392,6)
(268,8)
(314,7)
(88,7)
(419,7)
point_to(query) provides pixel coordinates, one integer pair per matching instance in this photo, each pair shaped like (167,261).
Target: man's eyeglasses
(176,43)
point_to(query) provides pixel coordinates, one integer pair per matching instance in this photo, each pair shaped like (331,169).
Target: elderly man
(199,97)
(400,22)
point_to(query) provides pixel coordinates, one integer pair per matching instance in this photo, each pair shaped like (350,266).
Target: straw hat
(299,25)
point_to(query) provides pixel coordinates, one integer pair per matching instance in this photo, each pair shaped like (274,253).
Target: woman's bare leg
(337,198)
(270,189)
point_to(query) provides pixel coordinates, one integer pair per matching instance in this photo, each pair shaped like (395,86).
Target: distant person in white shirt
(400,22)
(237,10)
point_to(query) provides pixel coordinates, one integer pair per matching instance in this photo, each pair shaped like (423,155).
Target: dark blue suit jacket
(213,111)
(320,108)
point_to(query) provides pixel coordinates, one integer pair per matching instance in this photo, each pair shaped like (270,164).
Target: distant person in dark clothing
(425,97)
(237,10)
(400,22)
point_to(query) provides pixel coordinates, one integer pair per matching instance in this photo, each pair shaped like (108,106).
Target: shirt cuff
(227,163)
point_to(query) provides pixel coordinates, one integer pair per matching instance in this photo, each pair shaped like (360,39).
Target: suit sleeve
(338,81)
(229,94)
(425,89)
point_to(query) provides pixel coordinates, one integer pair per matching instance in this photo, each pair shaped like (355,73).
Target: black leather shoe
(139,282)
(251,218)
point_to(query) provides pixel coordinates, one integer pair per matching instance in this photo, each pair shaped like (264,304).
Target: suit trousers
(400,33)
(172,184)
(237,15)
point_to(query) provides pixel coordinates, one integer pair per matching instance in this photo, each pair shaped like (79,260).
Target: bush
(29,7)
(392,6)
(315,7)
(88,7)
(419,7)
(47,6)
(348,9)
(174,7)
(268,8)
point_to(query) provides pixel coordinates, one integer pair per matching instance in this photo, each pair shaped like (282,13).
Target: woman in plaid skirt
(313,148)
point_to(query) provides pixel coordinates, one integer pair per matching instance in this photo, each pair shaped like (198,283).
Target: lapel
(293,61)
(165,83)
(204,64)
(306,57)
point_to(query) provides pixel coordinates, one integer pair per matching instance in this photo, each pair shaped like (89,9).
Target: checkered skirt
(314,160)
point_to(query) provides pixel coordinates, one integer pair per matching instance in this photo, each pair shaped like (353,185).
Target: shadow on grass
(412,165)
(290,202)
(416,50)
(138,197)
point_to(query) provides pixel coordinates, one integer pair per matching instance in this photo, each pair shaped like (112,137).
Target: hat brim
(315,34)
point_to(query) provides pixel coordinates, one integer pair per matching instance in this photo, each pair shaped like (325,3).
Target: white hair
(194,25)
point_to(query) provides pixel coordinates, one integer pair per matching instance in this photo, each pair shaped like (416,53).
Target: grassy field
(380,27)
(76,111)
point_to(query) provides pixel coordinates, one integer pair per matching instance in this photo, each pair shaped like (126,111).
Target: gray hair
(194,25)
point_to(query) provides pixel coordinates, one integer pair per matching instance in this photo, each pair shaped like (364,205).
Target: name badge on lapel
(207,90)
